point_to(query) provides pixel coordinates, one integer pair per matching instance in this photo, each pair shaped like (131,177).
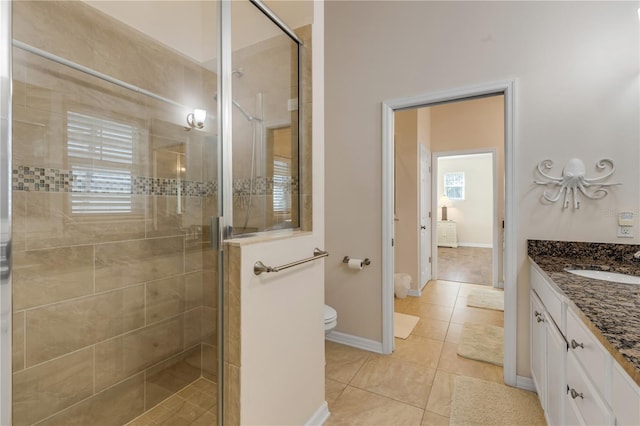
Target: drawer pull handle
(575,344)
(575,394)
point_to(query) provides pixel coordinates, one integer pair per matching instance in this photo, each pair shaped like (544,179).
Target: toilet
(330,319)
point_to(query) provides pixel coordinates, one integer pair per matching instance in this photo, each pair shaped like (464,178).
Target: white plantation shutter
(281,184)
(105,187)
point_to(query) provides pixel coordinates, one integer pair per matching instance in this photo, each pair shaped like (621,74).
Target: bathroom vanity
(585,333)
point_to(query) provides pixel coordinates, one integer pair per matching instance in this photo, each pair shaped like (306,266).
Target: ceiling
(189,26)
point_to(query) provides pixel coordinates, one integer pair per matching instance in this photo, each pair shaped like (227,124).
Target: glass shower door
(115,190)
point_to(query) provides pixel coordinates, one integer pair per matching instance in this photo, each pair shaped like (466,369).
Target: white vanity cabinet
(548,349)
(577,380)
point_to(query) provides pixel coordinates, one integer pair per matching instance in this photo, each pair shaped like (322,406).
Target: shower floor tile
(195,405)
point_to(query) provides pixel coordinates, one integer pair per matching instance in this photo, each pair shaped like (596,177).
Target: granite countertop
(610,310)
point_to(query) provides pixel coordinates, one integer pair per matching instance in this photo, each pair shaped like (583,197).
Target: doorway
(504,89)
(469,208)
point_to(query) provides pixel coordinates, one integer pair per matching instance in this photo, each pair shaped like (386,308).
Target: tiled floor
(465,265)
(195,405)
(413,386)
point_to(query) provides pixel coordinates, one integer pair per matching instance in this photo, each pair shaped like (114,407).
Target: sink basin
(614,277)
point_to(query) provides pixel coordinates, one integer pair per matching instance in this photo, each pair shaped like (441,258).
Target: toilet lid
(330,314)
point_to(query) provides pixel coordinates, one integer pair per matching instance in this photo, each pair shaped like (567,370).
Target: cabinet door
(538,349)
(556,383)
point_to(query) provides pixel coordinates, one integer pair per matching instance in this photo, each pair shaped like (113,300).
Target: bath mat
(476,402)
(403,324)
(487,299)
(482,342)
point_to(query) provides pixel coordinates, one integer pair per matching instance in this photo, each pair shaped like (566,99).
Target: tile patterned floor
(465,264)
(413,386)
(195,405)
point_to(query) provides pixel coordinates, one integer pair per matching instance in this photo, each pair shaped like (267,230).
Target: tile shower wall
(114,284)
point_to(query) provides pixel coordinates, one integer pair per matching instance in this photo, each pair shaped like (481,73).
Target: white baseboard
(415,293)
(320,416)
(525,383)
(355,341)
(477,245)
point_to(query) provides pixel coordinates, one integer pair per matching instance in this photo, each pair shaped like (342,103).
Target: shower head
(241,109)
(238,72)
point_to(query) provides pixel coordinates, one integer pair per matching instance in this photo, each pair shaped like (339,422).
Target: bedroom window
(454,185)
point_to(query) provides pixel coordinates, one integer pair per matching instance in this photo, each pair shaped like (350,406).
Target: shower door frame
(6,309)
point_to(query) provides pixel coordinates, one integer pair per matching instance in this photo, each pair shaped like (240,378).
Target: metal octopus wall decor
(574,181)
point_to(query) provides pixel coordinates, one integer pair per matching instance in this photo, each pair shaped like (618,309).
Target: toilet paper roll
(355,264)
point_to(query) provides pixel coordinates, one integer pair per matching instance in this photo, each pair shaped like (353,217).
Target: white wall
(474,214)
(577,94)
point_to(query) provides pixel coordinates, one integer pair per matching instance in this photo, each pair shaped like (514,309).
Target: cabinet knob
(423,227)
(540,319)
(575,394)
(575,344)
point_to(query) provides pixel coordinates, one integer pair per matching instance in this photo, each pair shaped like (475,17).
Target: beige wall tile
(193,327)
(130,262)
(165,298)
(17,344)
(46,276)
(210,288)
(233,304)
(209,326)
(232,391)
(113,407)
(64,327)
(210,362)
(51,223)
(163,218)
(433,419)
(19,215)
(48,388)
(129,354)
(172,375)
(193,256)
(47,149)
(193,290)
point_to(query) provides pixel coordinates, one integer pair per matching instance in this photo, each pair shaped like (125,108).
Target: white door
(425,216)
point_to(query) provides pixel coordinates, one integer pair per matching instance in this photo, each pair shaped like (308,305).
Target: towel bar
(260,267)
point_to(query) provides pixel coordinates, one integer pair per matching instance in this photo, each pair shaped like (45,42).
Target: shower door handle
(215,237)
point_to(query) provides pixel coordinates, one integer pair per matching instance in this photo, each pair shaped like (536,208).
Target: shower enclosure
(136,138)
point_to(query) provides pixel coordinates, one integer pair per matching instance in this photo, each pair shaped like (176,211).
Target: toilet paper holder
(366,261)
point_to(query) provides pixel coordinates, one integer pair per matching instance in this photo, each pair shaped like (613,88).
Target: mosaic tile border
(40,179)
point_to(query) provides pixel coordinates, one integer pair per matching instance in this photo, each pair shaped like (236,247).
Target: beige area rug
(403,324)
(476,402)
(487,299)
(482,342)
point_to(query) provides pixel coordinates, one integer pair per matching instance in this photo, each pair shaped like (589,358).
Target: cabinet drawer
(548,296)
(591,354)
(583,397)
(625,398)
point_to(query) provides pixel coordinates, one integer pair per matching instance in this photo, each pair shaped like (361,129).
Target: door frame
(494,205)
(506,88)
